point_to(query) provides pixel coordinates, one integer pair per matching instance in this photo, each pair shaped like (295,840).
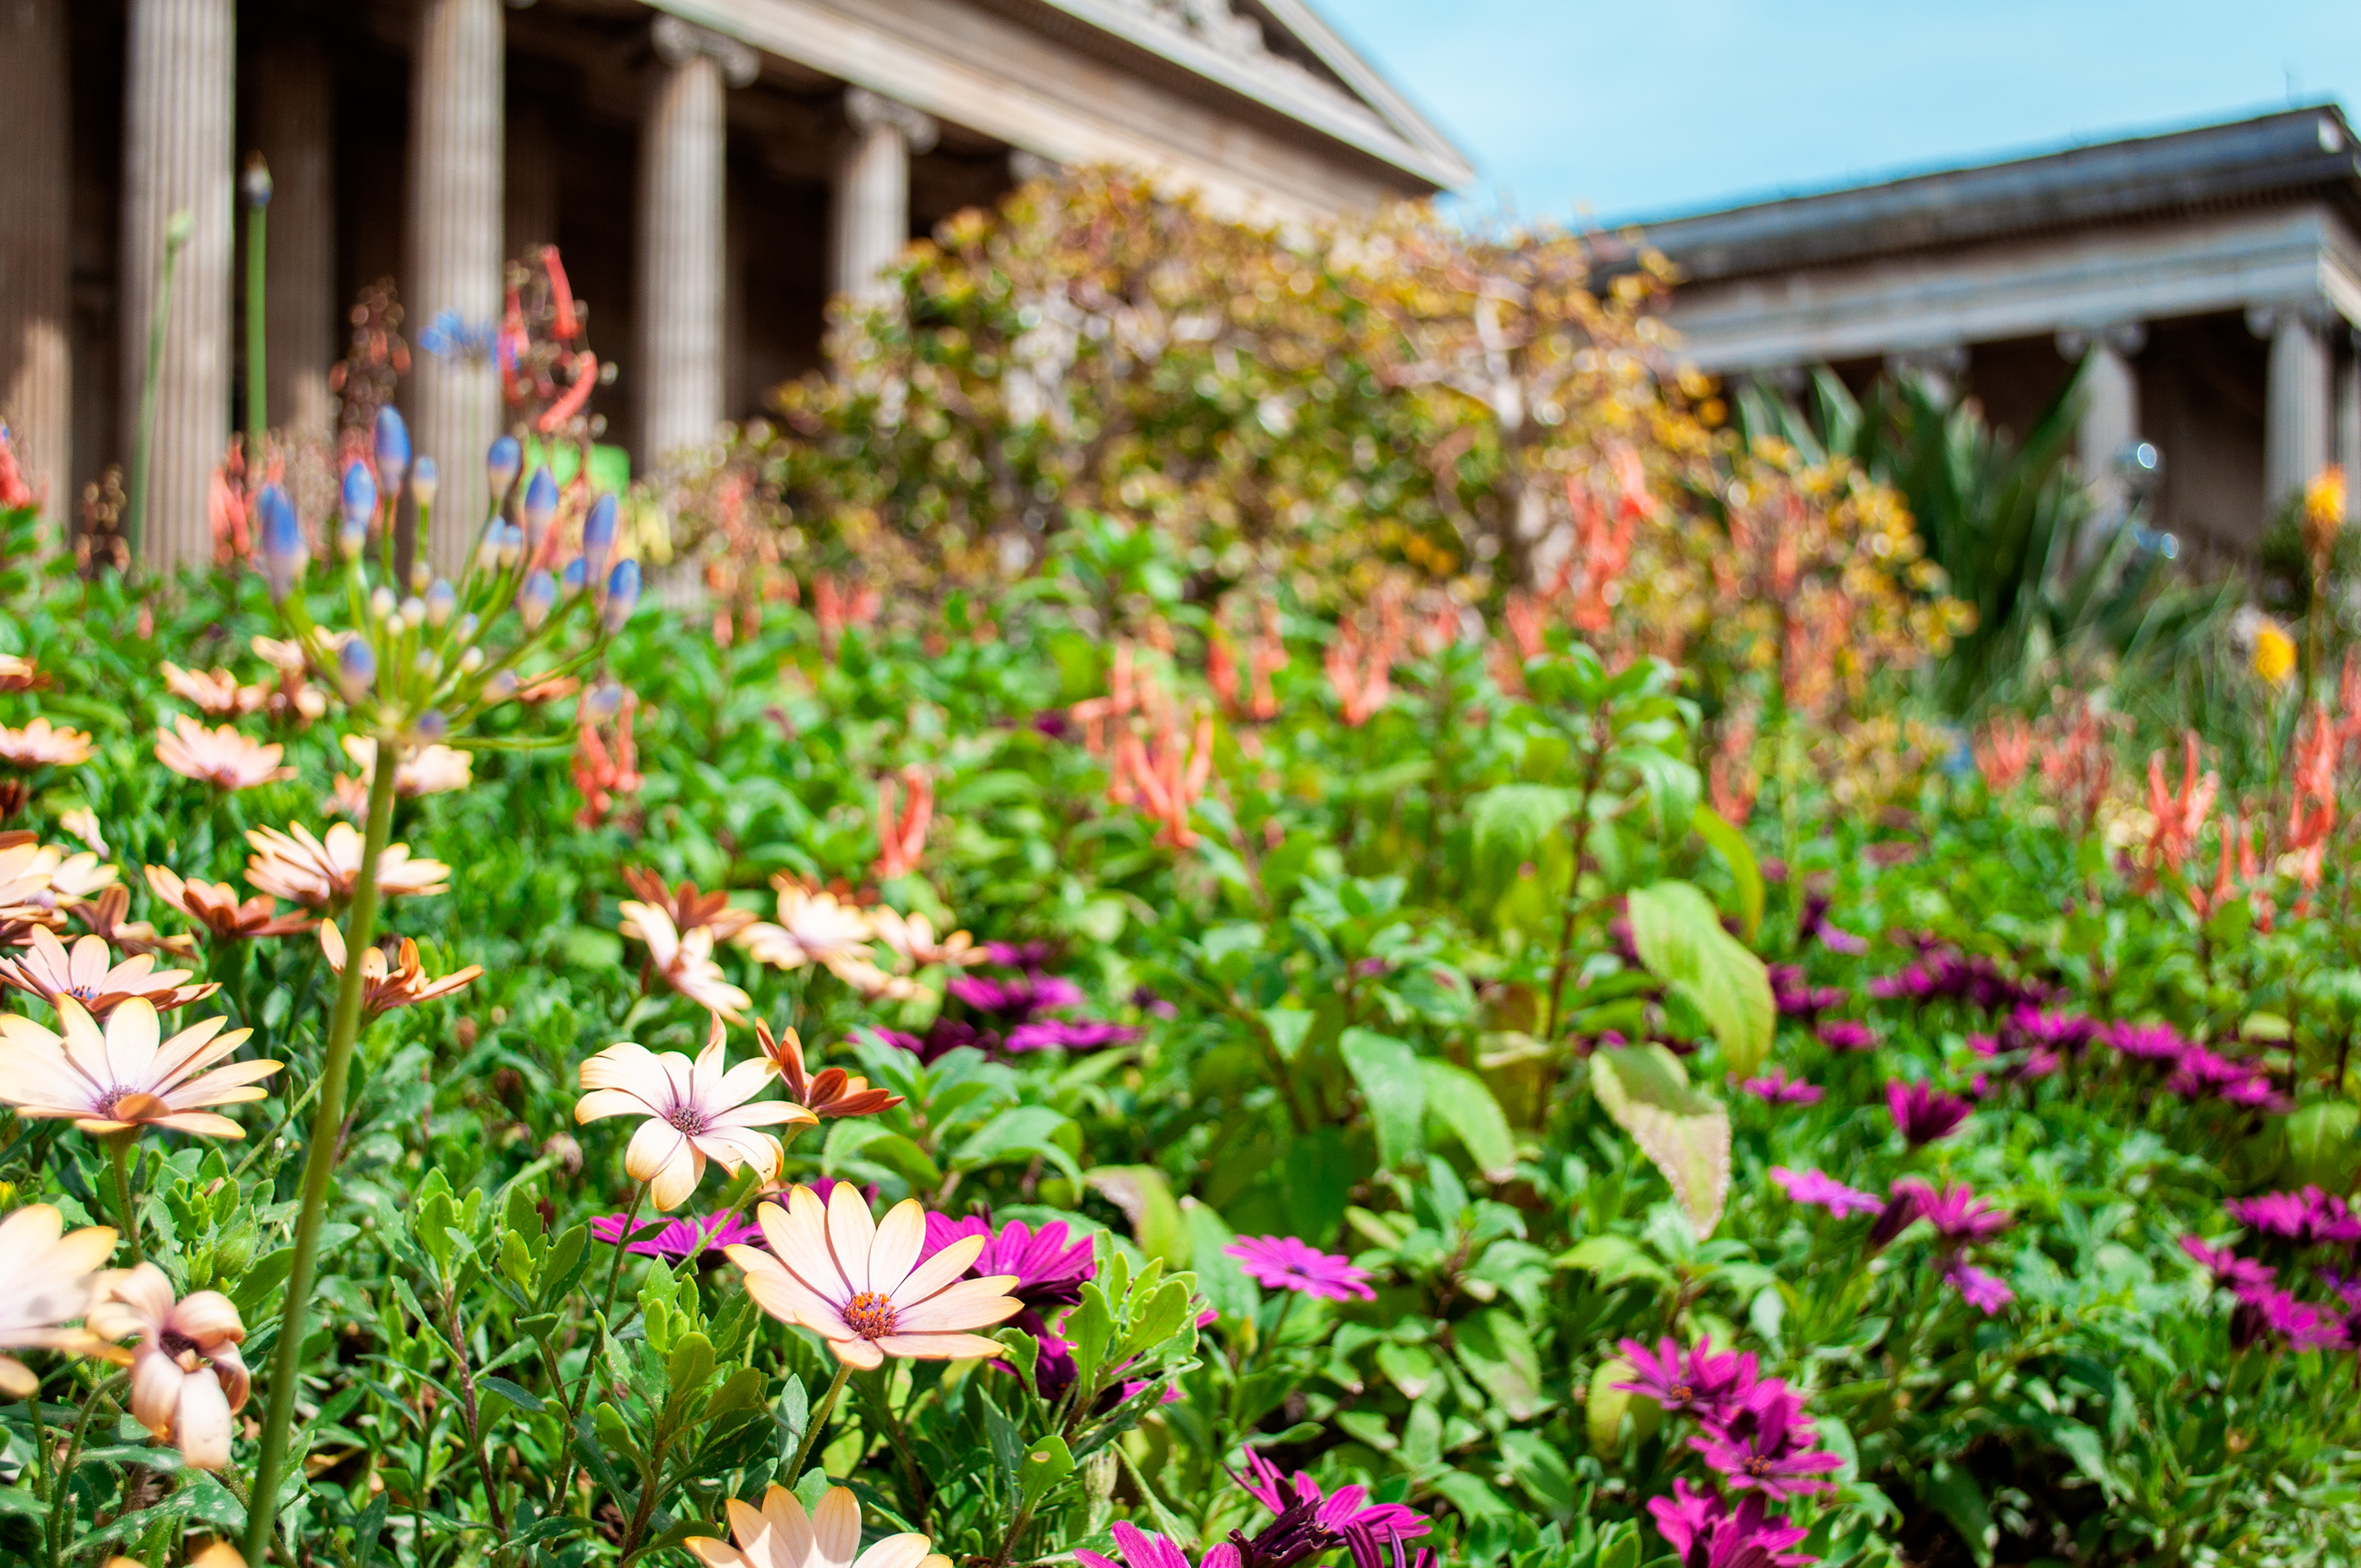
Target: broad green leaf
(1499,1352)
(1681,940)
(1145,1195)
(1683,1134)
(1463,1102)
(1225,1286)
(1671,786)
(1604,1405)
(1509,822)
(1955,1494)
(1019,1133)
(2321,1142)
(1739,856)
(1388,1072)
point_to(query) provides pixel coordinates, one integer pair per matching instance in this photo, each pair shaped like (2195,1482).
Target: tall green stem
(598,1344)
(257,214)
(320,1158)
(119,1154)
(135,509)
(819,1414)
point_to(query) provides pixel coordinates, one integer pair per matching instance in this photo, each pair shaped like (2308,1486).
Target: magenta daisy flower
(1139,1549)
(2147,1042)
(1767,1445)
(1347,1505)
(1016,1000)
(1825,1192)
(2227,1268)
(1702,1528)
(1068,1035)
(678,1239)
(1984,1291)
(1049,1267)
(2274,1213)
(1695,1380)
(1923,1113)
(2265,1311)
(1283,1263)
(1959,1217)
(1847,1034)
(1775,1088)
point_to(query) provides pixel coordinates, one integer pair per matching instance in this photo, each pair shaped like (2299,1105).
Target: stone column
(295,127)
(456,214)
(681,248)
(36,269)
(870,215)
(2110,420)
(2348,420)
(180,80)
(2295,399)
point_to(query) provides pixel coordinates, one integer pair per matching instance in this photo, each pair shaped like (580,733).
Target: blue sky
(1635,110)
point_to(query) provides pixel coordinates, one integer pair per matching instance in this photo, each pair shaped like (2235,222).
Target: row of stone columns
(178,158)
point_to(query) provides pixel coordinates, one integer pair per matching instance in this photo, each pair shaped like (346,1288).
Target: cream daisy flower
(221,757)
(82,823)
(215,692)
(857,1282)
(119,1077)
(813,928)
(216,906)
(696,1112)
(319,873)
(187,1376)
(780,1535)
(685,962)
(912,939)
(46,1278)
(388,985)
(88,973)
(424,770)
(40,745)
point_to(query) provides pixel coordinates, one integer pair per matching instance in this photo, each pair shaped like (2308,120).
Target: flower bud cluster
(421,658)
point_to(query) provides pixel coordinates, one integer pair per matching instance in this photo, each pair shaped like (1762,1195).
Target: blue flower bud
(602,701)
(431,725)
(500,465)
(284,553)
(511,544)
(254,185)
(425,479)
(535,599)
(570,581)
(356,669)
(540,508)
(356,506)
(441,601)
(597,537)
(488,548)
(500,687)
(622,594)
(392,442)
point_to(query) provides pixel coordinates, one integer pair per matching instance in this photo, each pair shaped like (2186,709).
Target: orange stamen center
(869,1315)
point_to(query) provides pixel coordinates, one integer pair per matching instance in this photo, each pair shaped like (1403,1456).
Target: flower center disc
(688,1119)
(869,1315)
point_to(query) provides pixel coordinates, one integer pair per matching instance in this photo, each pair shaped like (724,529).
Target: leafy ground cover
(1083,1068)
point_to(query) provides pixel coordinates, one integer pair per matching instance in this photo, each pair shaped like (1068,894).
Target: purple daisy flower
(1775,1088)
(1813,924)
(678,1239)
(1796,997)
(1702,1529)
(943,1036)
(1826,1192)
(2265,1311)
(1283,1263)
(1767,1445)
(2147,1042)
(1016,1000)
(1847,1034)
(1049,1266)
(1923,1113)
(2274,1213)
(2067,1032)
(1695,1380)
(1031,956)
(1067,1035)
(1959,1218)
(1347,1505)
(2226,1267)
(1982,1290)
(1140,1550)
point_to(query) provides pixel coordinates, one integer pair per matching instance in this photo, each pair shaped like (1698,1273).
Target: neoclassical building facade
(713,170)
(2213,278)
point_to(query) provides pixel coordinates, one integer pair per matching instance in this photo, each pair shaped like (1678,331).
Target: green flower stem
(819,1414)
(320,1158)
(597,1346)
(119,1154)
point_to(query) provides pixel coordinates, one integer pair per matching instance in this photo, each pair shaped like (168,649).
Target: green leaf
(1681,940)
(1509,822)
(1144,1193)
(1739,856)
(1540,1471)
(1499,1352)
(1671,786)
(2320,1142)
(1388,1072)
(516,1394)
(1683,1135)
(1463,1102)
(1954,1494)
(1225,1286)
(1604,1406)
(1045,1465)
(1021,1132)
